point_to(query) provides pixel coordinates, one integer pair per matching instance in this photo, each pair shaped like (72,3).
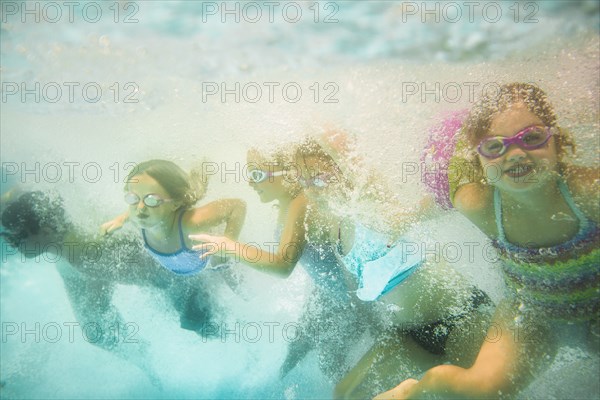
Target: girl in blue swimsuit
(161,199)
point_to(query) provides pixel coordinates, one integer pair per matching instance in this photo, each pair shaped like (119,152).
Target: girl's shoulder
(194,214)
(584,185)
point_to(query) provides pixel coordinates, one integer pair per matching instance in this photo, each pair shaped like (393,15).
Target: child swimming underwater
(432,312)
(161,199)
(36,222)
(542,215)
(329,320)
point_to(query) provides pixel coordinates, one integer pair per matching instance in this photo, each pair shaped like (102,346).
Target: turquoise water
(390,75)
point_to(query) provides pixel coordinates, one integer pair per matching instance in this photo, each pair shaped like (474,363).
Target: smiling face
(519,169)
(144,216)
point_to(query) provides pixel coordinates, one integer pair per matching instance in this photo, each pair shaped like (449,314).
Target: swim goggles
(258,175)
(150,200)
(530,138)
(318,181)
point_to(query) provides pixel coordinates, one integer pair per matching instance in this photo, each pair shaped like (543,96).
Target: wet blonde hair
(364,193)
(310,147)
(279,155)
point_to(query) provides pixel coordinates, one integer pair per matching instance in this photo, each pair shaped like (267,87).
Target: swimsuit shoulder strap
(181,237)
(564,190)
(148,244)
(145,240)
(584,222)
(498,216)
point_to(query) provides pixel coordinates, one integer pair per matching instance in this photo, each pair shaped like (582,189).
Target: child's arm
(280,263)
(114,224)
(475,201)
(230,211)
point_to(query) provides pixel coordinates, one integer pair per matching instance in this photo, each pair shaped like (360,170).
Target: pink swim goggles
(530,138)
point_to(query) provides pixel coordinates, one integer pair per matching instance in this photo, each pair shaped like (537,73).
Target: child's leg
(195,305)
(341,326)
(305,341)
(389,361)
(91,301)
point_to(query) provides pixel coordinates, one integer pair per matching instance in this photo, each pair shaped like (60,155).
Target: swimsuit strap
(183,246)
(145,241)
(498,215)
(584,222)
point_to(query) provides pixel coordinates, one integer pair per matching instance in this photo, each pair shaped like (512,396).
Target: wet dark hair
(477,124)
(34,211)
(171,177)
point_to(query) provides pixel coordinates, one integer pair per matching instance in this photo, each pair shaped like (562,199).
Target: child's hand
(402,391)
(115,224)
(209,244)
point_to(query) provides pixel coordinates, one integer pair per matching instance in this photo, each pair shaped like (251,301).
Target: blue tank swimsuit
(378,264)
(184,261)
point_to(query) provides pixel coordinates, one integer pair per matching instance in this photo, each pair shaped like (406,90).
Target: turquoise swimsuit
(184,261)
(379,265)
(322,265)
